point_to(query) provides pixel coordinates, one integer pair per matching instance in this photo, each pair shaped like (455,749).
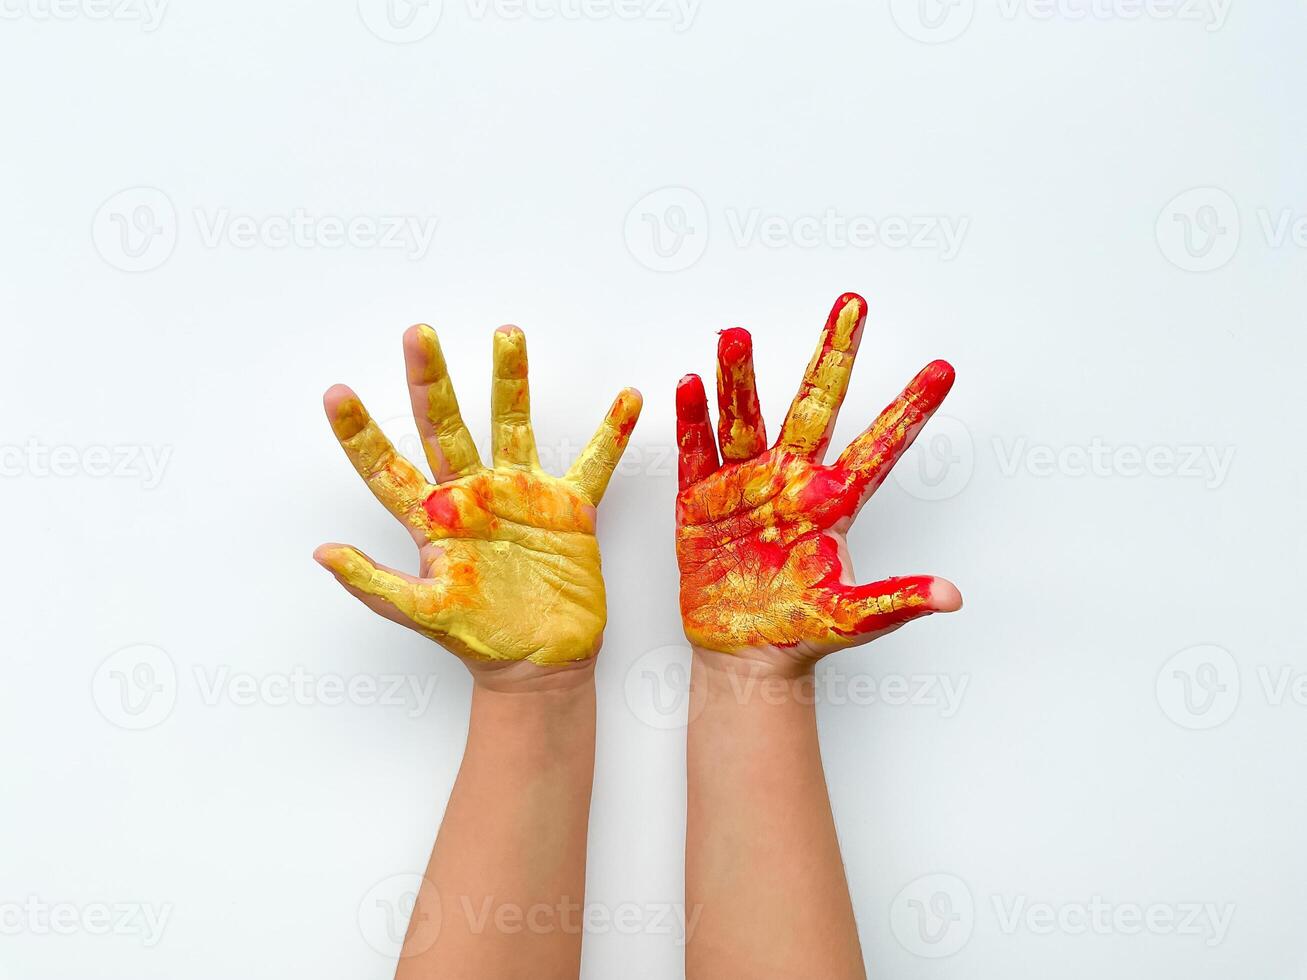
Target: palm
(760,538)
(509,560)
(758,567)
(517,536)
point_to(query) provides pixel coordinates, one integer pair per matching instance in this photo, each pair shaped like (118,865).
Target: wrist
(533,720)
(756,662)
(763,678)
(525,678)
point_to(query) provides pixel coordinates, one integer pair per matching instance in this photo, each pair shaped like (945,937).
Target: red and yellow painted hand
(760,536)
(510,563)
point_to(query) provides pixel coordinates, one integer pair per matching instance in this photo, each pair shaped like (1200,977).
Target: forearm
(763,863)
(506,881)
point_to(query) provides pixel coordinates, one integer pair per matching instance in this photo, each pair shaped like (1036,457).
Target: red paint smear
(694,435)
(911,586)
(737,396)
(691,401)
(935,380)
(441,509)
(734,346)
(824,496)
(768,555)
(625,426)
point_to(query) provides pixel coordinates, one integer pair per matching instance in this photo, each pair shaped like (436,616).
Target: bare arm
(761,859)
(504,891)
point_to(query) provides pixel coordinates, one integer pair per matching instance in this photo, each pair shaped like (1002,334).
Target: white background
(1092,306)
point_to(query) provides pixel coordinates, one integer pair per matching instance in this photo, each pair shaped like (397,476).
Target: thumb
(383,590)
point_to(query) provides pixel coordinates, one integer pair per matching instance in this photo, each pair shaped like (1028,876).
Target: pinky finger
(863,612)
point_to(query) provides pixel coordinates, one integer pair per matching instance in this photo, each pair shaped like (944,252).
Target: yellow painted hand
(510,564)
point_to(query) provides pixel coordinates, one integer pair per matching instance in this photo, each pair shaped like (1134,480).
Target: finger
(396,482)
(866,611)
(448,444)
(694,436)
(512,442)
(812,414)
(386,591)
(739,421)
(871,456)
(594,467)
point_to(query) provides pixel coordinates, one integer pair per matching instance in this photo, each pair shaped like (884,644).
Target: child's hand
(760,537)
(510,564)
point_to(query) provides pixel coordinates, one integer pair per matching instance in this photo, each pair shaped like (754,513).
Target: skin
(511,584)
(767,589)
